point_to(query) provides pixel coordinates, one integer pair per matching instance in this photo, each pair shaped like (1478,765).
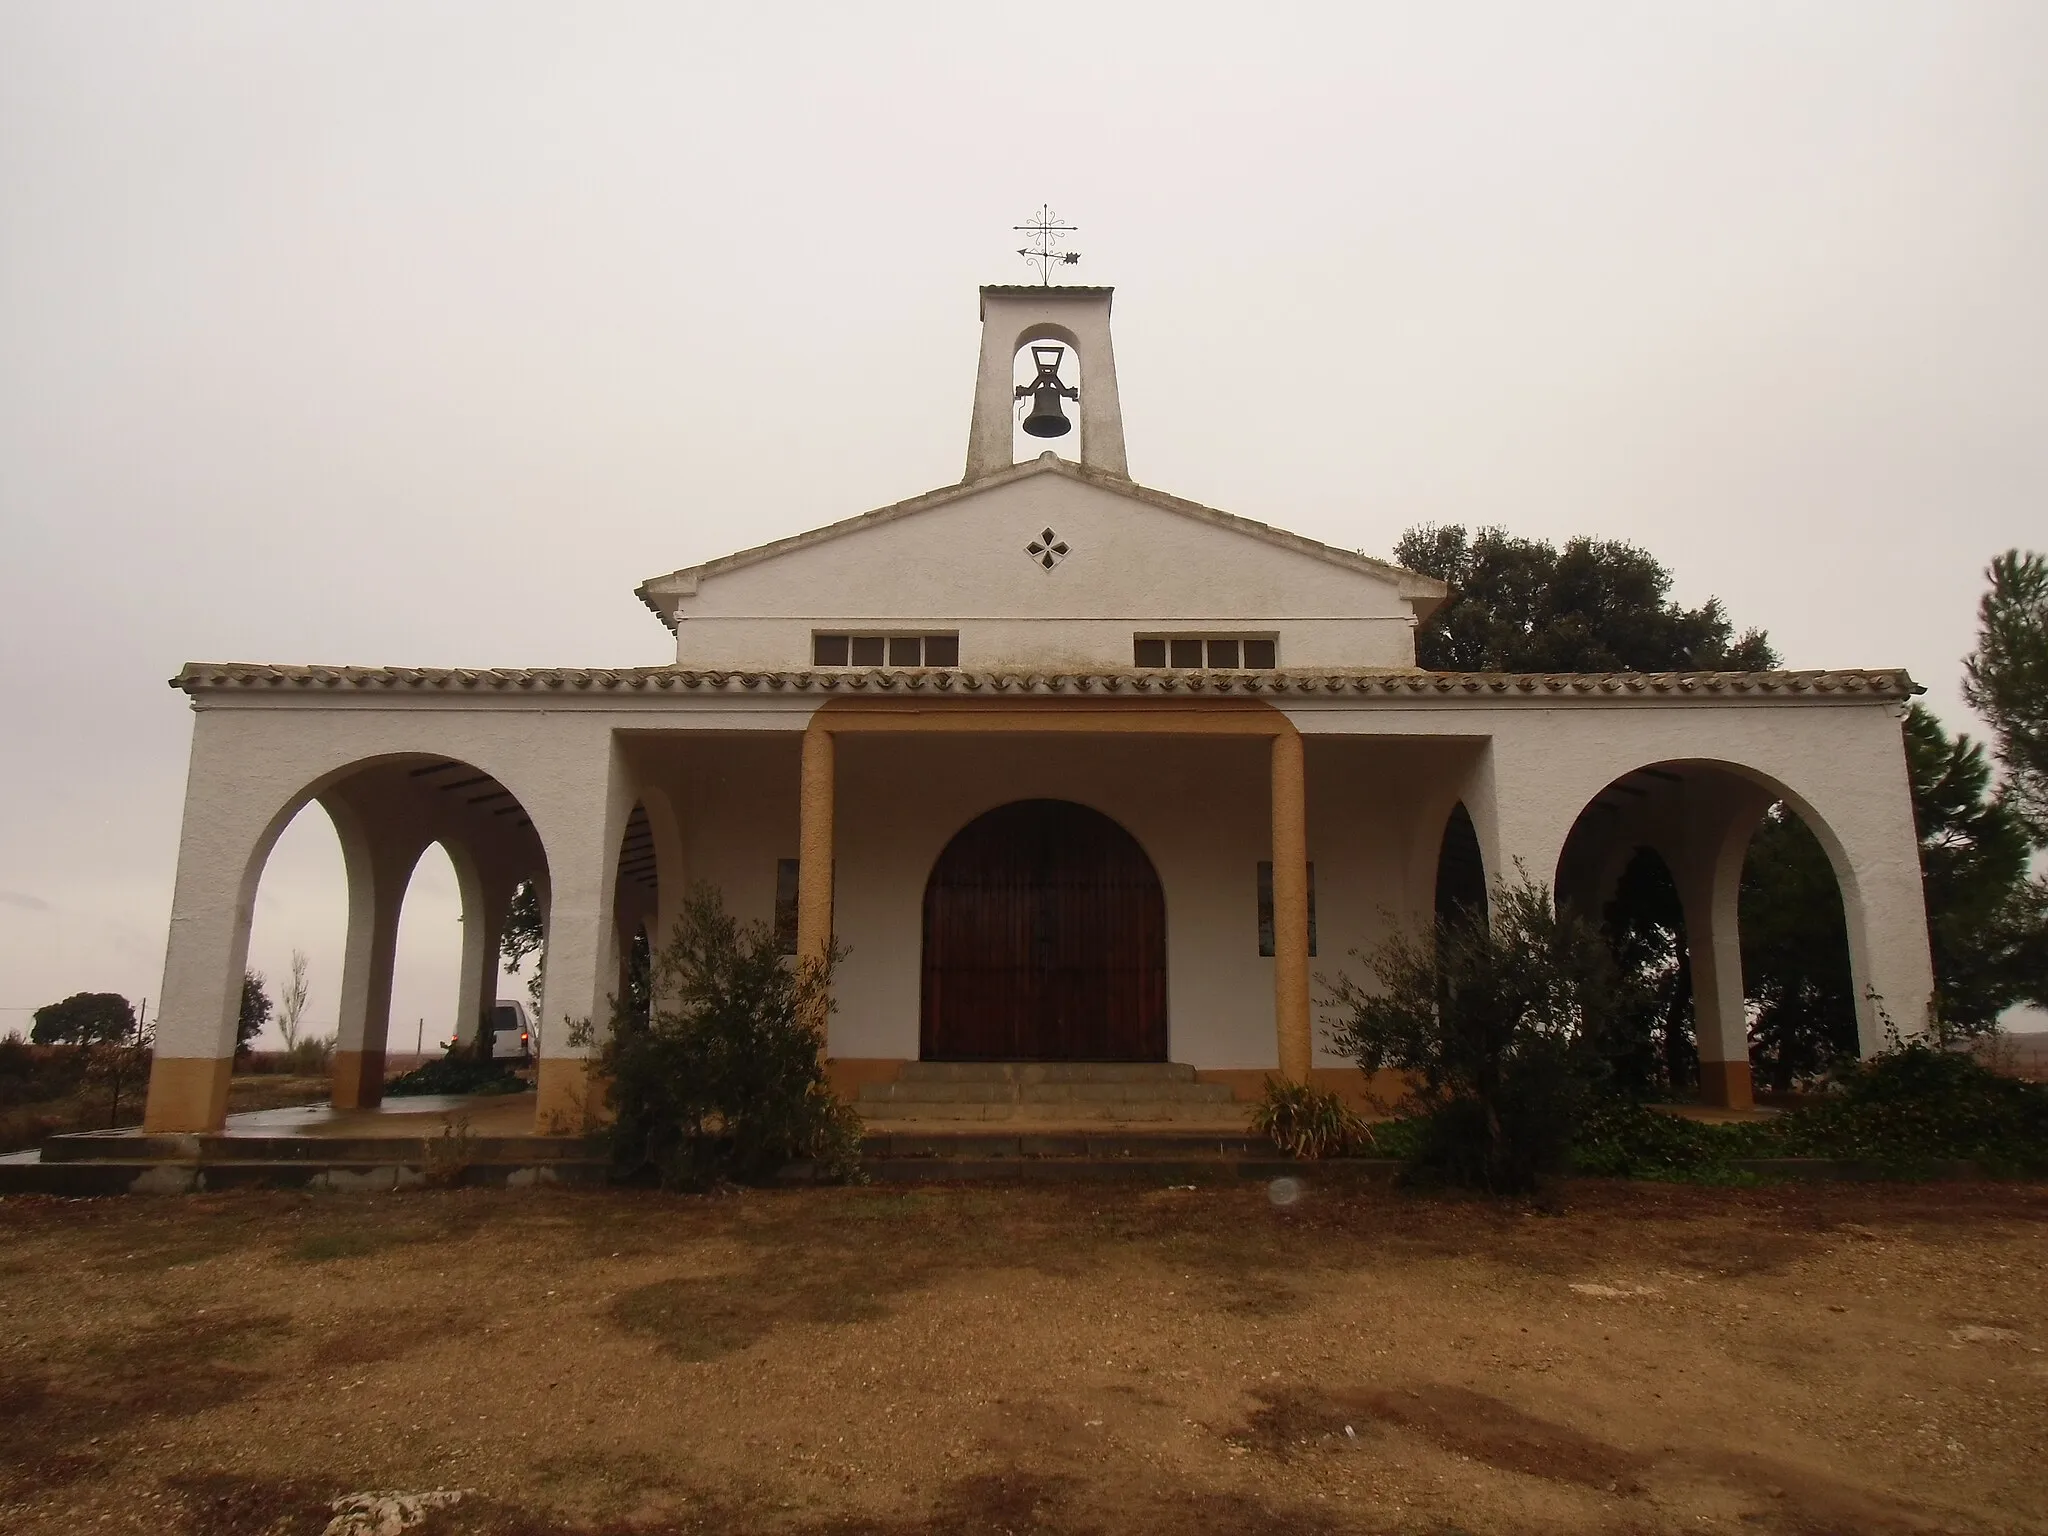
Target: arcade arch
(1671,840)
(386,815)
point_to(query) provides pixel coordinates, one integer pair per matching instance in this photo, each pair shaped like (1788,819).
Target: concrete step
(113,1176)
(136,1146)
(1046,1072)
(1146,1111)
(1045,1093)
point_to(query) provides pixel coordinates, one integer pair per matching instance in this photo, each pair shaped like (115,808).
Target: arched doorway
(1044,940)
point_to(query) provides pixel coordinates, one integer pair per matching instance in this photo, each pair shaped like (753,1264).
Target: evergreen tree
(2006,679)
(1523,605)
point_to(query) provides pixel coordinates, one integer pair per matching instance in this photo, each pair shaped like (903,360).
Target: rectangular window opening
(885,650)
(1224,653)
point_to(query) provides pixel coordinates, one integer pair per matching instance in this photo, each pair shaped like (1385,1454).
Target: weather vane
(1047,231)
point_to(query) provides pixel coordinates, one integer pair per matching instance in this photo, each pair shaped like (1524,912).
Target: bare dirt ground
(1062,1359)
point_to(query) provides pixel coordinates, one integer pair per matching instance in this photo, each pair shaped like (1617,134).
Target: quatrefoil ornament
(1048,549)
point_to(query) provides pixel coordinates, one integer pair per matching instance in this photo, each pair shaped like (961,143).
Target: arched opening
(300,918)
(1724,907)
(394,880)
(1460,868)
(1644,923)
(1046,355)
(1044,940)
(1795,954)
(636,905)
(426,964)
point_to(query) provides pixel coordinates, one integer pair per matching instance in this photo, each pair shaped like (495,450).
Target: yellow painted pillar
(1290,906)
(814,849)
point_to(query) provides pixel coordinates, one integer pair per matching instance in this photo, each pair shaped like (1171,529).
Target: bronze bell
(1047,418)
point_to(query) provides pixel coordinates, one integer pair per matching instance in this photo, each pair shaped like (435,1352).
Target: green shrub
(1305,1121)
(722,1077)
(455,1074)
(1503,1023)
(1919,1105)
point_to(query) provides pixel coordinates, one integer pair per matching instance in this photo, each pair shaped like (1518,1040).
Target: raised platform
(1047,1094)
(408,1143)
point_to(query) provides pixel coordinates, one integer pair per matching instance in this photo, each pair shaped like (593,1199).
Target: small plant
(1503,1023)
(723,1078)
(310,1056)
(449,1155)
(1309,1122)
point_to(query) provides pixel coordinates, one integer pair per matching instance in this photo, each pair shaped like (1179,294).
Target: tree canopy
(1597,605)
(2006,679)
(254,1013)
(84,1018)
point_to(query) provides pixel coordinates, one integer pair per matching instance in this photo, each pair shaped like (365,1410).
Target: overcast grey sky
(420,333)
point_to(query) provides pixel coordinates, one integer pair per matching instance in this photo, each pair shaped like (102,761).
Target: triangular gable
(1424,594)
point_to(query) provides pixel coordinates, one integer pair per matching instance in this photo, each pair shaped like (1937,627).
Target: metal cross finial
(1047,231)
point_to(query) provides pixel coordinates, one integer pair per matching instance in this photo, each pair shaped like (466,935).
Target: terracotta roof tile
(213,677)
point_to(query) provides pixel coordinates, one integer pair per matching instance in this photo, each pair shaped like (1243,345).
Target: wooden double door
(1044,940)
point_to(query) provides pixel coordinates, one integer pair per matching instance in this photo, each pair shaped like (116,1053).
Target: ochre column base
(187,1094)
(1726,1085)
(358,1079)
(571,1100)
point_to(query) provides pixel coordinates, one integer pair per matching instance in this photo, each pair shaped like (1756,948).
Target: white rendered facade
(618,789)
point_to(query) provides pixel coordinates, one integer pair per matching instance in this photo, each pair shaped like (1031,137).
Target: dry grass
(1066,1359)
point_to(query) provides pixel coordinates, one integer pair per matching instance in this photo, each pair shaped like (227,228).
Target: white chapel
(1073,769)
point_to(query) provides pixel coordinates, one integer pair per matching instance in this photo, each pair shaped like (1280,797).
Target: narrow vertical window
(785,906)
(1266,908)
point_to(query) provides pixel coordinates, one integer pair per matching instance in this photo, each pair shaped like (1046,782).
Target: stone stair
(1050,1092)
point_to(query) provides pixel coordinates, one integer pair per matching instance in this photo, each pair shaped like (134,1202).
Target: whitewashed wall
(962,566)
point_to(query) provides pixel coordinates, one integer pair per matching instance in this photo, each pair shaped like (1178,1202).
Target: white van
(511,1033)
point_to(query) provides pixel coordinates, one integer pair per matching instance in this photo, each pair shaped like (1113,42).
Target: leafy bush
(455,1074)
(722,1077)
(37,1074)
(1503,1022)
(1918,1105)
(1305,1121)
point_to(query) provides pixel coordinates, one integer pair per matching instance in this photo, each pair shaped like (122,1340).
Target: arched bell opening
(1044,940)
(1046,379)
